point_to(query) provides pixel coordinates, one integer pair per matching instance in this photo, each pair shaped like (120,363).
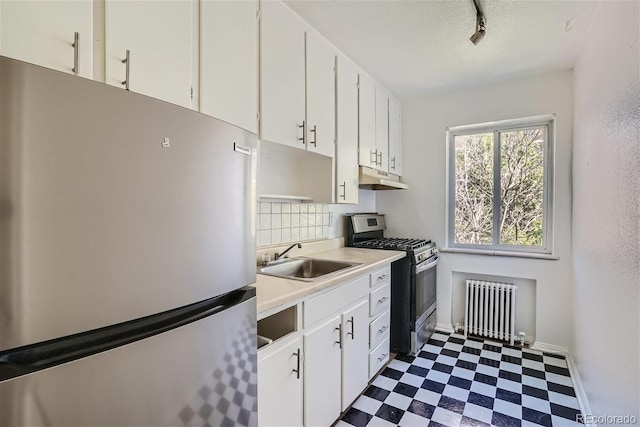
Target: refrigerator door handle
(46,354)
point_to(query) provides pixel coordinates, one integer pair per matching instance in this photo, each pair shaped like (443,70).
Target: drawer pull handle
(381,358)
(384,276)
(339,329)
(381,330)
(383,299)
(297,370)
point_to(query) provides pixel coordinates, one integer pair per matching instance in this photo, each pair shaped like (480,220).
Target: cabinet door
(367,121)
(322,349)
(158,36)
(282,85)
(395,136)
(321,90)
(42,33)
(229,61)
(347,132)
(382,128)
(355,352)
(280,387)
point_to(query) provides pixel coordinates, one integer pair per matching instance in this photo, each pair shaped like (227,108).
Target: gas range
(420,249)
(366,231)
(413,280)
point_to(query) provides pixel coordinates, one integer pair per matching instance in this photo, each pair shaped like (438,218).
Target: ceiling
(417,47)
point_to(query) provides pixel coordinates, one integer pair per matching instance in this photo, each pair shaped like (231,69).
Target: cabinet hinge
(258,14)
(192,93)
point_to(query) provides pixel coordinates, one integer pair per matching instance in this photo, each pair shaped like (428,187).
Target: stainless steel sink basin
(307,269)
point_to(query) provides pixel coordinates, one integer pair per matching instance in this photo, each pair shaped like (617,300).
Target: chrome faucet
(278,256)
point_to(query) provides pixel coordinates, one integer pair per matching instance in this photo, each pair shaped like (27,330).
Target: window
(500,183)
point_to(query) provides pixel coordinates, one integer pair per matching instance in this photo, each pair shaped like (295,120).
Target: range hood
(372,179)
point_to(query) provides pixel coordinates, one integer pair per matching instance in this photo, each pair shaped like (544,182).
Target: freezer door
(113,205)
(201,373)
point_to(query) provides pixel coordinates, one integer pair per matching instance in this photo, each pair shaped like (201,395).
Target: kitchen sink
(307,269)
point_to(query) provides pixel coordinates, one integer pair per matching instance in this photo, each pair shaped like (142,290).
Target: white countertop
(274,291)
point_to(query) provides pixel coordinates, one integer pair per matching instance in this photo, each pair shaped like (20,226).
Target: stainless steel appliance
(128,242)
(413,280)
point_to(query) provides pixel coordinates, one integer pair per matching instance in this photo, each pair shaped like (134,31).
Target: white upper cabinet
(297,83)
(395,136)
(367,121)
(321,100)
(42,33)
(282,76)
(347,132)
(158,36)
(382,128)
(229,61)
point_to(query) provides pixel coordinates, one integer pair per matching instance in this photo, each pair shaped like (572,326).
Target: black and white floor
(455,381)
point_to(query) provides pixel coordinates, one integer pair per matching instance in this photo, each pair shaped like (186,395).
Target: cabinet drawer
(379,300)
(381,276)
(319,307)
(379,329)
(378,357)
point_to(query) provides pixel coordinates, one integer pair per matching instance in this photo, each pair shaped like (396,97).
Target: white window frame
(546,249)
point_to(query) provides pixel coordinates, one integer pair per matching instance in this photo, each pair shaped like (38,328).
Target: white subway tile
(311,233)
(295,234)
(319,232)
(286,235)
(304,220)
(325,232)
(304,208)
(325,218)
(276,221)
(276,237)
(276,208)
(311,221)
(265,237)
(286,208)
(312,208)
(265,207)
(295,208)
(319,220)
(304,235)
(295,220)
(265,221)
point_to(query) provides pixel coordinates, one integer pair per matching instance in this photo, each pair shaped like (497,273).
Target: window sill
(500,253)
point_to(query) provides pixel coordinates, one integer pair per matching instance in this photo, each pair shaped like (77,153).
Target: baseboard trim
(577,385)
(444,327)
(550,348)
(573,370)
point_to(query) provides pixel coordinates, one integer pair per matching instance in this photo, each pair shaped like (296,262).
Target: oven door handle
(427,264)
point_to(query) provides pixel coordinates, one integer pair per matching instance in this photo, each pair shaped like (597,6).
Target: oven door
(425,289)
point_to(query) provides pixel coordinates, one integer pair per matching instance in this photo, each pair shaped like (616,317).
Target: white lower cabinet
(378,357)
(322,346)
(355,350)
(280,379)
(325,352)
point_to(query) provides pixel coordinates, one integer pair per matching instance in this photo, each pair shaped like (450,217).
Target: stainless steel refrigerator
(127,244)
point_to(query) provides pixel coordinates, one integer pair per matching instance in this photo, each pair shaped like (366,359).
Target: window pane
(474,189)
(521,186)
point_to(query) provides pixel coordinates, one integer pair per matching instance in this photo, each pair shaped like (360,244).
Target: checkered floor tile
(455,381)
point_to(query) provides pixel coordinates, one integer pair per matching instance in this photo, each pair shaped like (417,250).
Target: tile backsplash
(281,222)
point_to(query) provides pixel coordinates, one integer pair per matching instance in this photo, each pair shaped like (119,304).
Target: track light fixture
(480,24)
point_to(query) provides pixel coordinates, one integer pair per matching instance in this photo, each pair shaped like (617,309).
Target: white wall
(606,210)
(420,212)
